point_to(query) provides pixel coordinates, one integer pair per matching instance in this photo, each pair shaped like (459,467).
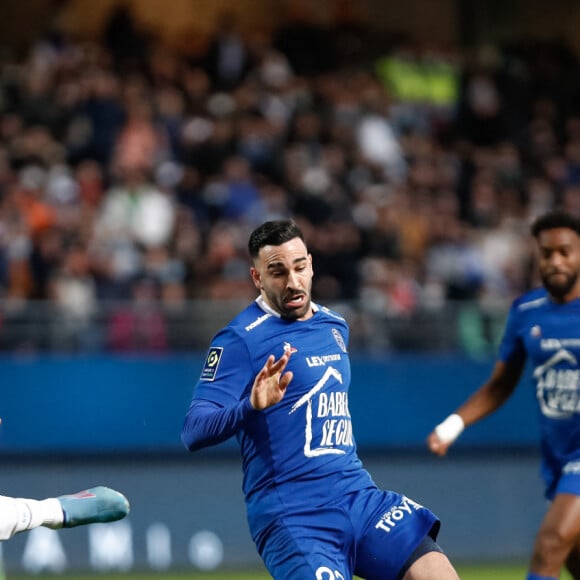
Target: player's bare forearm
(271,382)
(487,399)
(493,394)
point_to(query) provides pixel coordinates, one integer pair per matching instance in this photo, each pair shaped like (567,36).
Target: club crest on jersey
(536,331)
(211,363)
(339,339)
(289,348)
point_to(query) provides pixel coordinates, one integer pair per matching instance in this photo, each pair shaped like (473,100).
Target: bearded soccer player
(543,327)
(277,378)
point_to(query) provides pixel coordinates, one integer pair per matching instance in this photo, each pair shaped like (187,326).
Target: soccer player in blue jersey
(543,327)
(277,378)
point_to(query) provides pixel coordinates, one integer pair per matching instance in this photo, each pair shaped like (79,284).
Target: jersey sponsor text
(390,519)
(320,361)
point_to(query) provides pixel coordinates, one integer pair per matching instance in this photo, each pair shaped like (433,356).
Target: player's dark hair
(555,219)
(273,233)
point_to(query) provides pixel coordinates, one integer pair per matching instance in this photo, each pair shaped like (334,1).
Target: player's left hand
(437,446)
(271,382)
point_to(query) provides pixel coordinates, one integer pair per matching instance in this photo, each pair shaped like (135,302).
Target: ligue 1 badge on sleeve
(339,339)
(211,363)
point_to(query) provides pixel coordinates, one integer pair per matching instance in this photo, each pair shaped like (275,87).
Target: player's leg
(91,506)
(558,534)
(427,561)
(313,545)
(99,504)
(10,517)
(398,540)
(21,514)
(431,564)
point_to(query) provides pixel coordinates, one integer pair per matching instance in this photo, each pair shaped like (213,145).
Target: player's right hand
(437,446)
(271,382)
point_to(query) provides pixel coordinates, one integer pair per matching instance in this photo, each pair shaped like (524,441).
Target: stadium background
(76,414)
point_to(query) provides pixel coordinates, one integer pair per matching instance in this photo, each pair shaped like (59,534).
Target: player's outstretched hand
(271,382)
(436,445)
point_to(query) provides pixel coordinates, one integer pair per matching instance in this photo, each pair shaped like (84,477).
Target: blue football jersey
(547,335)
(300,452)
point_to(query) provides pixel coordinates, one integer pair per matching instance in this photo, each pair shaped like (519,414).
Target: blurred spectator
(29,200)
(455,261)
(122,36)
(139,326)
(140,143)
(134,209)
(235,197)
(91,183)
(388,288)
(227,59)
(208,143)
(93,125)
(73,292)
(45,260)
(378,143)
(482,113)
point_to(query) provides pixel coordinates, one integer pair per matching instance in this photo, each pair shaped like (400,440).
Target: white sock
(34,513)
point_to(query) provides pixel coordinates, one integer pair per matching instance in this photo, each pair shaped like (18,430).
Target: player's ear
(256,277)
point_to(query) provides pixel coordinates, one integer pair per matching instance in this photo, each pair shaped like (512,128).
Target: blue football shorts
(370,533)
(569,480)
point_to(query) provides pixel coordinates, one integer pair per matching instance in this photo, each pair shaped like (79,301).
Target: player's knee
(431,565)
(550,546)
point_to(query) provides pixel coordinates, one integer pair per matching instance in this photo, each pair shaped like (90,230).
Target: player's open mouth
(295,301)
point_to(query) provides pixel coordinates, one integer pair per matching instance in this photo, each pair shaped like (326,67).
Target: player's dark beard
(295,314)
(560,290)
(291,313)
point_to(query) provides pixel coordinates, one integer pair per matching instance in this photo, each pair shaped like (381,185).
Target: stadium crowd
(131,173)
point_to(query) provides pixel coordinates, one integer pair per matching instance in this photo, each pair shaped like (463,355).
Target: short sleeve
(511,346)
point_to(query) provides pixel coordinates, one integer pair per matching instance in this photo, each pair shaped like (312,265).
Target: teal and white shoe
(95,505)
